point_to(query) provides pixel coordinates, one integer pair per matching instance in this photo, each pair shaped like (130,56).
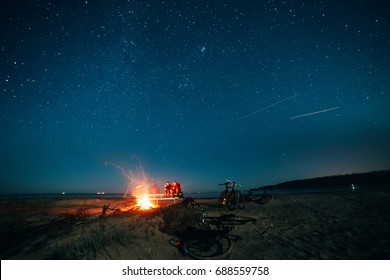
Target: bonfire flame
(141,193)
(144,203)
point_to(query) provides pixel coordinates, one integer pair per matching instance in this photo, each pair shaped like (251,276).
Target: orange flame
(144,203)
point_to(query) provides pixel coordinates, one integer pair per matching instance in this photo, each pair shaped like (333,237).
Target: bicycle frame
(261,198)
(213,239)
(231,197)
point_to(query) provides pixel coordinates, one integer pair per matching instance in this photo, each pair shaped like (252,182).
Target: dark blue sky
(255,91)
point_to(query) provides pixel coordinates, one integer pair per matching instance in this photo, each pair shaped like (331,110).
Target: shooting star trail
(265,108)
(314,113)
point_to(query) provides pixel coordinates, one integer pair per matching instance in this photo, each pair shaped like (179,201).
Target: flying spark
(139,179)
(265,108)
(314,113)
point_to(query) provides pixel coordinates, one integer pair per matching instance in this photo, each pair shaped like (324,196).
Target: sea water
(274,190)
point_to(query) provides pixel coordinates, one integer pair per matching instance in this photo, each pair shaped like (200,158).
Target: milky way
(200,91)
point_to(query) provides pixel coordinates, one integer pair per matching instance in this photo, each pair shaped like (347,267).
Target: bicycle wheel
(190,202)
(241,200)
(207,245)
(265,198)
(232,200)
(222,199)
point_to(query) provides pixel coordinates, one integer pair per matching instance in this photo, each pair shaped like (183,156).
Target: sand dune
(340,225)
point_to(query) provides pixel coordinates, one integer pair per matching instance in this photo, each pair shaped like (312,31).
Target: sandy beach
(339,225)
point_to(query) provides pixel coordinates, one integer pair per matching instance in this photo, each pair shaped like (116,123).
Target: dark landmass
(378,179)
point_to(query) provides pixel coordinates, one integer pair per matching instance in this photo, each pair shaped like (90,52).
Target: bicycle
(261,198)
(190,203)
(213,239)
(231,198)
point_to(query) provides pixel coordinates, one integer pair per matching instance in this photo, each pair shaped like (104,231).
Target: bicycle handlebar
(228,182)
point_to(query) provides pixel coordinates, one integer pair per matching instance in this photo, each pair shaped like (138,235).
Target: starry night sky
(259,92)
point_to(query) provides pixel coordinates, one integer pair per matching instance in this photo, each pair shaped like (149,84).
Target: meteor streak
(265,108)
(314,113)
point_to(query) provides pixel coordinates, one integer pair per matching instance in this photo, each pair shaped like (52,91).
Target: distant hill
(375,178)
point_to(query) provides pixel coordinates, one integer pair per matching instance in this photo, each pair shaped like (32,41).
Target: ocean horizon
(209,194)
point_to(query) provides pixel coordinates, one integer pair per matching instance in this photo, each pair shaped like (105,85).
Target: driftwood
(104,211)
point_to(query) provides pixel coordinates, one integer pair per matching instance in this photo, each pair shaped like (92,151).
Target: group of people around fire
(173,190)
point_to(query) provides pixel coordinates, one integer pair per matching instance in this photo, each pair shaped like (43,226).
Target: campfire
(144,192)
(145,203)
(134,203)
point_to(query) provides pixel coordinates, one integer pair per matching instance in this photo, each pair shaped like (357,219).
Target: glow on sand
(139,185)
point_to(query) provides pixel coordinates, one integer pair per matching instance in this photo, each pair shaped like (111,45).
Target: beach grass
(338,225)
